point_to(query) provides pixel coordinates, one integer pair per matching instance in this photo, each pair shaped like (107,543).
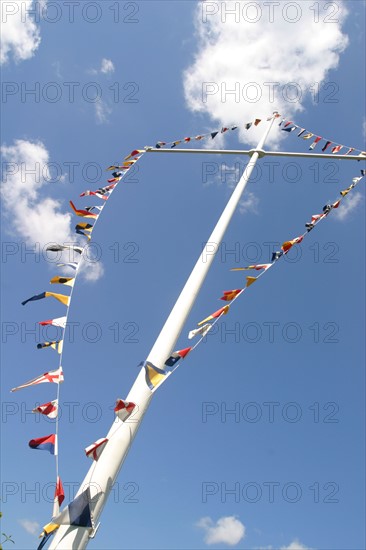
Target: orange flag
(215,315)
(230,294)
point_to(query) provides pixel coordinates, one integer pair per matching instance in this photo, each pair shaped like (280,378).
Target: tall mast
(103,473)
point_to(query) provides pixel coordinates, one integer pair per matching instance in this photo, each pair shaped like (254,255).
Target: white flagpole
(103,473)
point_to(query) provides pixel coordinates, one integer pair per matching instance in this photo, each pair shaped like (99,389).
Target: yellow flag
(69,281)
(251,280)
(215,315)
(49,528)
(60,297)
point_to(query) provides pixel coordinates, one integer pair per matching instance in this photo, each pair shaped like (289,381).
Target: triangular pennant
(222,311)
(95,449)
(176,356)
(229,295)
(250,281)
(124,409)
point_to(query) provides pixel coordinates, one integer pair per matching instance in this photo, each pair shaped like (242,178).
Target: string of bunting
(78,512)
(155,377)
(286,126)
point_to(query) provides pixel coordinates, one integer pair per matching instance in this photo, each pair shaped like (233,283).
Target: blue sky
(292,348)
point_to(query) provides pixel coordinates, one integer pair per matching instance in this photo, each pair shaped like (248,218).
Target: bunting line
(288,126)
(233,295)
(154,376)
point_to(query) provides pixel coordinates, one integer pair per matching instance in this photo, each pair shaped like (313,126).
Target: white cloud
(30,213)
(295,545)
(236,54)
(347,206)
(249,203)
(102,111)
(37,218)
(20,34)
(107,66)
(92,271)
(32,527)
(227,530)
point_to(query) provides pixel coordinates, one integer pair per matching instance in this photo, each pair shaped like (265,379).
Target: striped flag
(229,295)
(327,143)
(54,376)
(46,443)
(256,267)
(49,409)
(55,344)
(176,356)
(59,322)
(313,145)
(289,244)
(202,331)
(134,153)
(59,497)
(60,297)
(124,409)
(95,449)
(222,311)
(83,213)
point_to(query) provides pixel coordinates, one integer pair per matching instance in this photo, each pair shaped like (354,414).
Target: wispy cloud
(243,70)
(249,203)
(348,206)
(32,527)
(295,545)
(107,66)
(102,111)
(227,530)
(20,34)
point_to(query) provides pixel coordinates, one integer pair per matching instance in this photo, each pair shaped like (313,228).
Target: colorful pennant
(55,376)
(46,443)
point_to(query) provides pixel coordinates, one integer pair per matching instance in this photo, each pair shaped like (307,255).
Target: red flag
(55,376)
(83,213)
(59,497)
(49,409)
(177,356)
(134,153)
(327,143)
(123,409)
(215,315)
(313,145)
(230,294)
(95,450)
